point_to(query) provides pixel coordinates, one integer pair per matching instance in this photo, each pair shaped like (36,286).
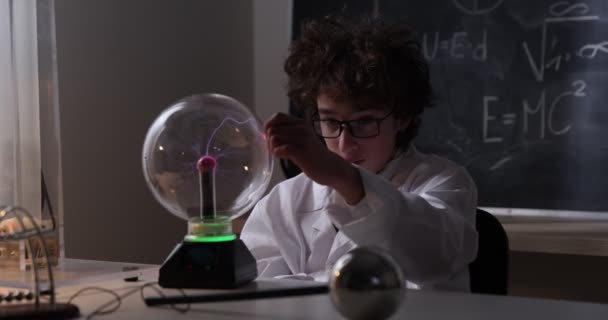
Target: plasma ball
(206,172)
(206,164)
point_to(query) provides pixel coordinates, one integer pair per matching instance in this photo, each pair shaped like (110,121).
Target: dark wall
(119,64)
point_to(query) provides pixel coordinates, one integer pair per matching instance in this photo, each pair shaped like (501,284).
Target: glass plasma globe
(205,160)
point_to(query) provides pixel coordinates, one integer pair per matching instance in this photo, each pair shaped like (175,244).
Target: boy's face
(370,153)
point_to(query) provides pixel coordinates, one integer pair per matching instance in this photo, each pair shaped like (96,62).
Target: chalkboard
(520,92)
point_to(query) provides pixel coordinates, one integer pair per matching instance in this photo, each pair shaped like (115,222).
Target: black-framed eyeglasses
(359,128)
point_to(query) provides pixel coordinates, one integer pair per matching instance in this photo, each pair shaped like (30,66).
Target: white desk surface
(418,305)
(72,272)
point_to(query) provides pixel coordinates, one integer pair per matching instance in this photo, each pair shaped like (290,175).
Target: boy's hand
(294,139)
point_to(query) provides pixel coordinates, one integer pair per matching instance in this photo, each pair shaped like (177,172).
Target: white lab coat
(420,208)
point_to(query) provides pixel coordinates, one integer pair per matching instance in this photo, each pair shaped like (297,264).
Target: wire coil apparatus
(36,310)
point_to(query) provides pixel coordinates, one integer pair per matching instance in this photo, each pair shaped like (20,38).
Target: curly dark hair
(366,61)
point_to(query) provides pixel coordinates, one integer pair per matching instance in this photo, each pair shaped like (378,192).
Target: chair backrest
(489,272)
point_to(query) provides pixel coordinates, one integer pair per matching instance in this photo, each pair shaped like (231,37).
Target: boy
(363,85)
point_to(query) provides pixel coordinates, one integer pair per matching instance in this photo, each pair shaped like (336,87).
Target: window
(19,125)
(26,84)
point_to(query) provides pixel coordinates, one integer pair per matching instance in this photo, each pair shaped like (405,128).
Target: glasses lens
(327,128)
(364,128)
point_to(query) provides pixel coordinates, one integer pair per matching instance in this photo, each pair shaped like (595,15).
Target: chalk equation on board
(562,12)
(474,7)
(457,46)
(541,112)
(538,114)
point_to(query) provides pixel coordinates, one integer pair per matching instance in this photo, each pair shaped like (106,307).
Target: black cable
(116,302)
(100,311)
(233,296)
(174,301)
(160,293)
(45,196)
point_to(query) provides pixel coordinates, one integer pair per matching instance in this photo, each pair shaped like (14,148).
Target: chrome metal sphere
(366,283)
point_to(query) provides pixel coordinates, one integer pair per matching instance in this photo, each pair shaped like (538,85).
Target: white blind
(20,181)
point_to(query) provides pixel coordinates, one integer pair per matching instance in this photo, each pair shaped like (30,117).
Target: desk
(72,272)
(418,305)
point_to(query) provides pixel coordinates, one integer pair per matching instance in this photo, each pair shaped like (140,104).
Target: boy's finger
(281,119)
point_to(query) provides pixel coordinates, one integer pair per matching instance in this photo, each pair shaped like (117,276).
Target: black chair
(489,272)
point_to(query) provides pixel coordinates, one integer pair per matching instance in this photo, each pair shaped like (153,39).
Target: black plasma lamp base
(208,265)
